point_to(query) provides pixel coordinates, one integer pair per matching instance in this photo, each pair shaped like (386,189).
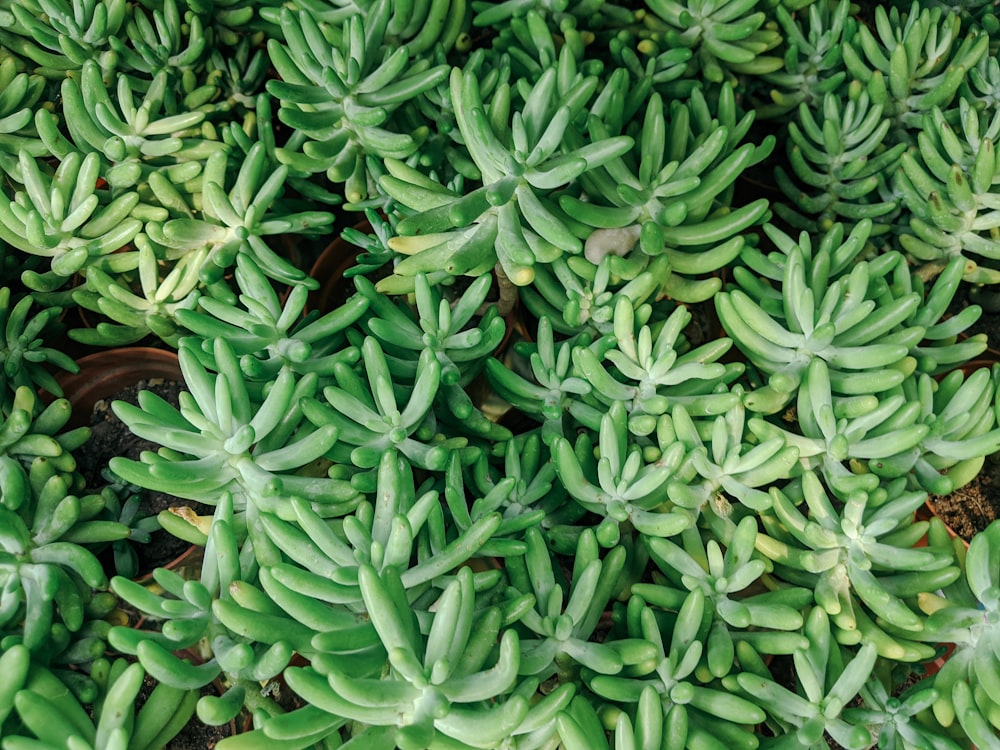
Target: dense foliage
(653,342)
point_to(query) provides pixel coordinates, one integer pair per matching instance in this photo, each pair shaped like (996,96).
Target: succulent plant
(369,420)
(340,110)
(133,135)
(242,442)
(662,200)
(556,631)
(818,320)
(21,94)
(692,712)
(722,577)
(728,38)
(730,466)
(553,388)
(575,295)
(965,686)
(396,525)
(446,327)
(238,222)
(813,60)
(27,361)
(828,681)
(443,682)
(440,324)
(162,41)
(842,169)
(50,716)
(64,218)
(268,334)
(50,578)
(62,36)
(135,316)
(949,456)
(912,62)
(600,528)
(896,719)
(203,610)
(946,184)
(520,162)
(622,489)
(841,555)
(650,376)
(980,86)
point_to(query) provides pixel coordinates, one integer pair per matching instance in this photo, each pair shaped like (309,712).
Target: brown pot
(187,564)
(107,372)
(103,376)
(329,270)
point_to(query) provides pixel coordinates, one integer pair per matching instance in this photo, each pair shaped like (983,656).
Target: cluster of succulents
(504,492)
(894,122)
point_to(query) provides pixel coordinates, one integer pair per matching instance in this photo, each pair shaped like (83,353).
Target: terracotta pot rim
(172,564)
(107,372)
(149,352)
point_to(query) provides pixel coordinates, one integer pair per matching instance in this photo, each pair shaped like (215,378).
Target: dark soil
(972,508)
(195,735)
(198,736)
(110,437)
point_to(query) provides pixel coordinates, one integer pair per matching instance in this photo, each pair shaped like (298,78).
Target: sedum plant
(64,218)
(599,528)
(442,683)
(339,101)
(553,387)
(692,713)
(965,687)
(268,334)
(135,317)
(728,39)
(53,585)
(896,719)
(441,325)
(650,376)
(27,362)
(235,440)
(946,184)
(949,455)
(661,198)
(162,43)
(49,716)
(724,463)
(394,526)
(446,328)
(844,555)
(628,491)
(245,646)
(913,61)
(721,577)
(841,169)
(60,37)
(827,681)
(133,134)
(21,94)
(511,220)
(237,223)
(813,60)
(575,295)
(822,317)
(369,420)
